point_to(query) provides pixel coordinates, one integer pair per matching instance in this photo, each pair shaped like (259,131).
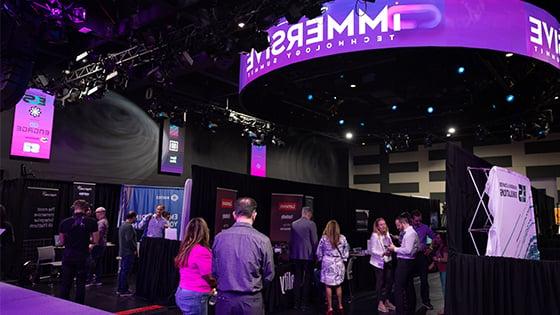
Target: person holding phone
(381,261)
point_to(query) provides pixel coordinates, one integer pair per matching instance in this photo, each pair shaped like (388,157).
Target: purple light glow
(258,160)
(32,131)
(510,26)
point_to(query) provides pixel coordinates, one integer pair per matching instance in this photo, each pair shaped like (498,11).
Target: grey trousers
(239,304)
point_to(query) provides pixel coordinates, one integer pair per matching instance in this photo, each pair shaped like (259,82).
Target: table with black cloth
(279,295)
(157,277)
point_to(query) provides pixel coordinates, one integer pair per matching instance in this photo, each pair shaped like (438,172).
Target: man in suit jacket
(303,242)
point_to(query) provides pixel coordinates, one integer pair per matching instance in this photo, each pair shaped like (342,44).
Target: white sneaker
(390,306)
(382,308)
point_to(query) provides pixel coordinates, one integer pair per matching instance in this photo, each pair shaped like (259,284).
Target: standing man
(423,232)
(127,252)
(303,242)
(405,296)
(75,234)
(98,250)
(154,224)
(242,263)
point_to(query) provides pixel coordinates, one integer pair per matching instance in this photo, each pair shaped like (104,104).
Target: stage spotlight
(517,132)
(111,75)
(363,144)
(493,106)
(510,98)
(212,126)
(430,110)
(349,135)
(539,124)
(394,107)
(556,97)
(341,122)
(461,70)
(241,25)
(310,97)
(82,56)
(428,141)
(362,124)
(481,133)
(388,145)
(352,85)
(451,130)
(509,55)
(448,135)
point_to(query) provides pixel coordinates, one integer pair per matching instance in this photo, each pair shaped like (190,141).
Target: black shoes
(428,306)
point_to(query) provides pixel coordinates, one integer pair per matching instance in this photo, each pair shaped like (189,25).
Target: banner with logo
(144,199)
(362,220)
(172,148)
(513,231)
(33,120)
(284,210)
(225,199)
(40,207)
(84,191)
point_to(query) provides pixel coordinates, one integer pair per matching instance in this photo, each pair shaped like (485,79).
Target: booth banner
(40,207)
(284,210)
(513,233)
(362,220)
(33,121)
(225,199)
(144,199)
(350,26)
(84,191)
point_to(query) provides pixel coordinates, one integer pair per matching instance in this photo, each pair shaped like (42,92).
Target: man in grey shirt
(303,242)
(127,252)
(242,263)
(98,250)
(405,295)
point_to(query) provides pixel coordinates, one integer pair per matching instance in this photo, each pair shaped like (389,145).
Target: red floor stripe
(140,310)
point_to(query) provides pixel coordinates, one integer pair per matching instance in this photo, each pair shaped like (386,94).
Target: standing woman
(381,260)
(195,268)
(332,252)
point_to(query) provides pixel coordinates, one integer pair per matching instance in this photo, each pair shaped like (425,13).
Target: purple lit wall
(348,26)
(258,160)
(33,121)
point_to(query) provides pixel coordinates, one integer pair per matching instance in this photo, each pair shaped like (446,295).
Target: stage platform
(16,300)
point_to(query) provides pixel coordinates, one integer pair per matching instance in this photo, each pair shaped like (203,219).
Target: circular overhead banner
(348,25)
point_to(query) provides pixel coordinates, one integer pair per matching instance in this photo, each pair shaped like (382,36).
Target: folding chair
(46,257)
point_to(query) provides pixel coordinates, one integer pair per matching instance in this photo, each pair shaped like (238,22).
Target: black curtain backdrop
(329,202)
(13,193)
(489,285)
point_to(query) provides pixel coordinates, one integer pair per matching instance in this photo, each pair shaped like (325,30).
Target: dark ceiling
(410,79)
(318,94)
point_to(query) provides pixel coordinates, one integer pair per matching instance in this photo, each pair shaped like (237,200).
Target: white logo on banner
(286,282)
(174,197)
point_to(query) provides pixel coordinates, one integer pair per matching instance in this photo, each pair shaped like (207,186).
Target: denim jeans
(126,265)
(192,302)
(442,280)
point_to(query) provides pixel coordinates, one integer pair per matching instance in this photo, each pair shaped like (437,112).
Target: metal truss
(480,192)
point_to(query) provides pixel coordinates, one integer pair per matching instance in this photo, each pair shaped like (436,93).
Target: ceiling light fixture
(349,135)
(509,55)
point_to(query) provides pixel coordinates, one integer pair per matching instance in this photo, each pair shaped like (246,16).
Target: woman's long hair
(197,233)
(376,227)
(332,232)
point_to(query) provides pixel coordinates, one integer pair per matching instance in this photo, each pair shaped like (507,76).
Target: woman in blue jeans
(195,269)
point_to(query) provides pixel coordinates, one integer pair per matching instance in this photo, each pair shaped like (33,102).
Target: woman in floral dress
(332,252)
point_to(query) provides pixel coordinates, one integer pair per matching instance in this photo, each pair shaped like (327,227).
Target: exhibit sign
(225,201)
(284,209)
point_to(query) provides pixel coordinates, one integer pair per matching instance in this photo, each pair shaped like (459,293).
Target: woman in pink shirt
(195,268)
